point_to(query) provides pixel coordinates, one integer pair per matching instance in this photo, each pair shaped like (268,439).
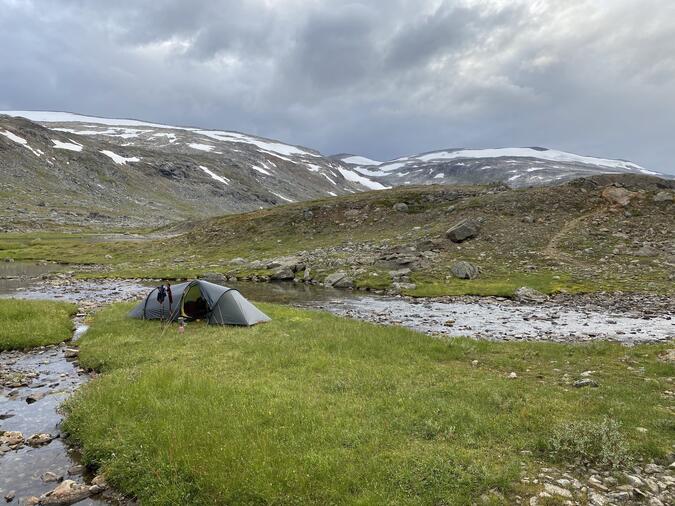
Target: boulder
(98,485)
(618,196)
(465,229)
(11,439)
(68,492)
(35,396)
(585,383)
(307,214)
(527,294)
(400,207)
(71,352)
(237,261)
(284,273)
(40,439)
(663,196)
(465,270)
(49,477)
(214,277)
(338,280)
(647,251)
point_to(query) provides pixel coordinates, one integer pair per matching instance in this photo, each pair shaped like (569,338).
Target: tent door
(194,305)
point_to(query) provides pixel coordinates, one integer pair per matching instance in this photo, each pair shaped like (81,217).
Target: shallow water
(21,470)
(15,275)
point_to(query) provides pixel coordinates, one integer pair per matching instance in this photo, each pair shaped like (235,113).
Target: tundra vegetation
(312,408)
(587,235)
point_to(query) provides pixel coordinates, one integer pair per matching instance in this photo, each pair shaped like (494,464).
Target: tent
(201,300)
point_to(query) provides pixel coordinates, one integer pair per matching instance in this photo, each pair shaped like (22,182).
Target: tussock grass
(29,323)
(315,409)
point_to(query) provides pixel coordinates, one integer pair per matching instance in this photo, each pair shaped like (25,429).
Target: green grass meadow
(315,409)
(29,323)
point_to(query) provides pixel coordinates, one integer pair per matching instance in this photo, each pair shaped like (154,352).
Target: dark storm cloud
(380,78)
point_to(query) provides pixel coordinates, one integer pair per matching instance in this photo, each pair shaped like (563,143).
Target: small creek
(49,372)
(44,379)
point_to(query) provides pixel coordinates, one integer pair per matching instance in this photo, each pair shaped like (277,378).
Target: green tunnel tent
(201,300)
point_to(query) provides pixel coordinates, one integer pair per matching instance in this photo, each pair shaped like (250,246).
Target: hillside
(72,170)
(516,167)
(600,233)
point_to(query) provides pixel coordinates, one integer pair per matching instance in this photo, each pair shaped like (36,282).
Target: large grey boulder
(283,274)
(338,280)
(465,229)
(663,196)
(68,492)
(527,294)
(465,270)
(400,207)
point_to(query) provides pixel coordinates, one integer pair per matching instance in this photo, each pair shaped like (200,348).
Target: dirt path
(552,249)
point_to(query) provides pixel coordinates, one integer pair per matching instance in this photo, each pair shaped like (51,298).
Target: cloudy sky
(380,78)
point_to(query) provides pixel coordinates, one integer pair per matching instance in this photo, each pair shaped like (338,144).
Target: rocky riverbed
(496,318)
(36,466)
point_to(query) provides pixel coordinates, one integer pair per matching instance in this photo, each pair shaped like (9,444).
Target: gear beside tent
(200,300)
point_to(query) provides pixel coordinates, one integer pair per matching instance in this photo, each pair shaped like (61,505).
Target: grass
(315,409)
(29,323)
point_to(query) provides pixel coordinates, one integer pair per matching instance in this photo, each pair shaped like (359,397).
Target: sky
(382,78)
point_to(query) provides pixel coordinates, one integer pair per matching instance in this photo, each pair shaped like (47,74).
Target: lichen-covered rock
(465,229)
(527,294)
(68,492)
(618,196)
(465,270)
(338,280)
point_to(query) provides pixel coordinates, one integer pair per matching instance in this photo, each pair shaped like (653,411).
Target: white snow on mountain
(214,175)
(360,160)
(281,197)
(70,146)
(350,175)
(201,147)
(541,154)
(19,140)
(118,159)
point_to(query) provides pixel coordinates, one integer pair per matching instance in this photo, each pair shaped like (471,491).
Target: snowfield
(70,146)
(120,160)
(360,160)
(350,175)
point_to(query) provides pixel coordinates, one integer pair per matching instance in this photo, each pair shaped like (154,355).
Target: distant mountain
(69,168)
(516,167)
(66,169)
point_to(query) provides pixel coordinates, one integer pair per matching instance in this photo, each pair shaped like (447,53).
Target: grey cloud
(379,78)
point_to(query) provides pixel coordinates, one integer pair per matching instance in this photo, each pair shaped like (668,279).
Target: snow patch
(201,147)
(329,179)
(360,160)
(261,170)
(19,140)
(281,196)
(350,175)
(70,146)
(215,176)
(120,160)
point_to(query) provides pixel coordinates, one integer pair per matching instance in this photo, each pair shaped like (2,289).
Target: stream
(46,377)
